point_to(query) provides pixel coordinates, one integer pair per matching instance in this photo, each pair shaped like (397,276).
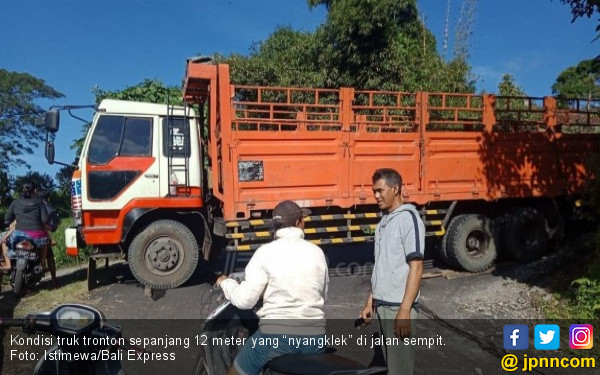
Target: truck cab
(140,162)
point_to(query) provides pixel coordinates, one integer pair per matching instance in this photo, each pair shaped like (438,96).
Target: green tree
(43,181)
(285,58)
(579,81)
(151,91)
(5,189)
(18,110)
(508,86)
(61,198)
(584,8)
(510,103)
(367,44)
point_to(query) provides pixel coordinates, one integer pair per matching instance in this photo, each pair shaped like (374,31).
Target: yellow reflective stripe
(326,217)
(431,212)
(331,229)
(310,230)
(436,222)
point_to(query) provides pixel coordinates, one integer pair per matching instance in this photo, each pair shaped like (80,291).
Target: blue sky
(76,44)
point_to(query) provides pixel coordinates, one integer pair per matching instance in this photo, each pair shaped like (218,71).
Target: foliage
(513,108)
(63,178)
(581,8)
(18,110)
(60,254)
(150,90)
(587,296)
(581,299)
(286,58)
(42,180)
(508,86)
(366,44)
(5,189)
(584,8)
(579,81)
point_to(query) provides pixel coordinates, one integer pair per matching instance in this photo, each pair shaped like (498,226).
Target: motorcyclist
(4,236)
(31,216)
(51,226)
(291,274)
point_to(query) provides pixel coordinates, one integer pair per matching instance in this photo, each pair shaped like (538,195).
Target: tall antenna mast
(445,51)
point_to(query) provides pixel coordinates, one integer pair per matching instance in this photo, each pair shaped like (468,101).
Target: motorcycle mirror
(52,120)
(50,152)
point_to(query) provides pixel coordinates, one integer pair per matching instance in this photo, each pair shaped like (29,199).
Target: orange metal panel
(298,165)
(371,151)
(322,146)
(105,226)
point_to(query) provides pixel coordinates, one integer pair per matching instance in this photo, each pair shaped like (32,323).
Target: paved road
(447,346)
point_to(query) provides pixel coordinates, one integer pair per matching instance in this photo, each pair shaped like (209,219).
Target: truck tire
(525,237)
(163,255)
(444,255)
(470,242)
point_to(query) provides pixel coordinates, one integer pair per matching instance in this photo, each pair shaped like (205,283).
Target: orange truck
(166,185)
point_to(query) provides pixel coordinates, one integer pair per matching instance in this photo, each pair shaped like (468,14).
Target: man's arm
(367,312)
(413,283)
(414,246)
(244,295)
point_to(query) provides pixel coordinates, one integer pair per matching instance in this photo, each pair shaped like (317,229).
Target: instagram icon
(581,336)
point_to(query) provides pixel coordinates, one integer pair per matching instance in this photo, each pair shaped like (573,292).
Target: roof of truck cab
(141,108)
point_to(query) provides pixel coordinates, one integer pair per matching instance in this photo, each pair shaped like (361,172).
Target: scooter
(228,321)
(76,321)
(26,266)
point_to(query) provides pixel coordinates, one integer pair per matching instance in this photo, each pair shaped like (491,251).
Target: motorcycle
(76,322)
(26,265)
(227,321)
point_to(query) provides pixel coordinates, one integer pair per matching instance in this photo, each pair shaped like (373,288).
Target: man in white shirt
(292,276)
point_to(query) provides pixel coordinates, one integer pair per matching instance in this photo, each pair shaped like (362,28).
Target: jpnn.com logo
(516,337)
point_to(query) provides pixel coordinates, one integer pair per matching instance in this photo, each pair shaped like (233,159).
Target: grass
(42,299)
(577,286)
(60,254)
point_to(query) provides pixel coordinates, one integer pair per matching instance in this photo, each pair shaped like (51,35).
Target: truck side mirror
(52,121)
(50,151)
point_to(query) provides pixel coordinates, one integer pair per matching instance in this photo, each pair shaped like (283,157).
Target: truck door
(121,163)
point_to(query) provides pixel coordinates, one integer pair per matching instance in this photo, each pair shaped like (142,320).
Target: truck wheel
(525,237)
(444,255)
(164,255)
(470,242)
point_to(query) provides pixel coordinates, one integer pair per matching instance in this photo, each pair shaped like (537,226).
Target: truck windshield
(120,136)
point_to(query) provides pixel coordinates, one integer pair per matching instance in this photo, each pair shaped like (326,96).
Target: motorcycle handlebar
(12,322)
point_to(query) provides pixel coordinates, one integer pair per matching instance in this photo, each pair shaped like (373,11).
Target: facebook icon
(516,337)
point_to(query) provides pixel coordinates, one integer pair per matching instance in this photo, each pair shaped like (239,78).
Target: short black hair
(389,175)
(28,189)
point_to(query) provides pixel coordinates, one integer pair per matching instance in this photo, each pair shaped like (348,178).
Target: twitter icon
(546,336)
